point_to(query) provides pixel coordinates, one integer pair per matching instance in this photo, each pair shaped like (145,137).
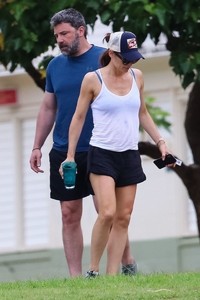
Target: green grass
(148,287)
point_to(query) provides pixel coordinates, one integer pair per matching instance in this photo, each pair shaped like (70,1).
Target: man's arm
(44,124)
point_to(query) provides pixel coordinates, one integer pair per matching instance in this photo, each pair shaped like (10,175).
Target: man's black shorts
(124,167)
(57,189)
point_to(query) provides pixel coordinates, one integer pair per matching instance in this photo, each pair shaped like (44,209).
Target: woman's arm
(146,120)
(84,100)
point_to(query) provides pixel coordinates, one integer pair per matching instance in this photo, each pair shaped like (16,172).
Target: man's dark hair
(70,15)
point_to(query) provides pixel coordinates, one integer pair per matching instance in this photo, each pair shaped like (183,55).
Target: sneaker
(130,269)
(91,274)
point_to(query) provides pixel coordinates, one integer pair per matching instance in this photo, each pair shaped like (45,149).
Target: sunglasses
(124,60)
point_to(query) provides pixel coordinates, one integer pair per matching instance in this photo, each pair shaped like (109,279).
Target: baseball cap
(125,43)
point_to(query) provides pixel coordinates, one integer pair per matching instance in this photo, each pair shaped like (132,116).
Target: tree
(25,34)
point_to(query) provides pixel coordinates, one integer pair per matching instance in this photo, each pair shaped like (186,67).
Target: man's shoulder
(56,60)
(59,57)
(98,49)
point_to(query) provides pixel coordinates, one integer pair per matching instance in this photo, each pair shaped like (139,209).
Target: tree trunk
(192,122)
(190,175)
(36,76)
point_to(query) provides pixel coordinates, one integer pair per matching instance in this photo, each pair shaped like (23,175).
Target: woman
(115,94)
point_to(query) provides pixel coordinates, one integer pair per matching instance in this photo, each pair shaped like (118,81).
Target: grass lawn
(184,286)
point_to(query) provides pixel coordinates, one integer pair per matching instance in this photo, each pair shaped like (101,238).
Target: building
(163,226)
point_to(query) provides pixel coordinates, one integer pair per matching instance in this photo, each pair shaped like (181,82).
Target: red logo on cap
(132,43)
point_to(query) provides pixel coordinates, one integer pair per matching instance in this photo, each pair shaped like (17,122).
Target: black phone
(160,163)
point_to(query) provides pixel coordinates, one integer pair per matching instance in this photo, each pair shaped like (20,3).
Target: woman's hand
(61,168)
(164,151)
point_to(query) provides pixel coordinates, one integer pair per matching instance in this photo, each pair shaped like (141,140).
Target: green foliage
(158,114)
(25,32)
(25,28)
(178,20)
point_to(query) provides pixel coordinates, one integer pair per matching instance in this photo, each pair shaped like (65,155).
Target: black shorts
(124,167)
(57,189)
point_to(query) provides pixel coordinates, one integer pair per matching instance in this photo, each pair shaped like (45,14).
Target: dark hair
(105,58)
(107,37)
(70,15)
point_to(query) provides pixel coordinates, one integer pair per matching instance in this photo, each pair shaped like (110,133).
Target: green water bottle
(69,174)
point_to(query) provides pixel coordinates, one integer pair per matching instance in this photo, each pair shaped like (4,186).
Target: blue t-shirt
(64,78)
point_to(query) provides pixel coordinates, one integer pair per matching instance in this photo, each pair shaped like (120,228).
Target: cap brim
(133,55)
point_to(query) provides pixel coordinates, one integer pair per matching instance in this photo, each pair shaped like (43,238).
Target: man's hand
(35,160)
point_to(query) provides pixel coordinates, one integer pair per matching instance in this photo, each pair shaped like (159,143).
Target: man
(64,76)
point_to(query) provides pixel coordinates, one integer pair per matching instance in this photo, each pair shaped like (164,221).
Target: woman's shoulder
(92,83)
(138,77)
(91,75)
(137,72)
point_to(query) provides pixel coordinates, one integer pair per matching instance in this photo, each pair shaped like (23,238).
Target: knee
(71,215)
(107,217)
(123,220)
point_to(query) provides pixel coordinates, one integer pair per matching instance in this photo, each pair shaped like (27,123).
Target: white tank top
(116,120)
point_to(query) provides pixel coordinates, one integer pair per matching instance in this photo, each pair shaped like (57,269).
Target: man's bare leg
(72,235)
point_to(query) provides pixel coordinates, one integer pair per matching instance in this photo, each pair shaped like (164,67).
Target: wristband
(36,149)
(160,140)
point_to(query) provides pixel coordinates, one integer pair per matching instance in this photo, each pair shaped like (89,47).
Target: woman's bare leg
(127,257)
(104,188)
(118,236)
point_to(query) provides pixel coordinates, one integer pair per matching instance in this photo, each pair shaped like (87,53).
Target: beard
(71,49)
